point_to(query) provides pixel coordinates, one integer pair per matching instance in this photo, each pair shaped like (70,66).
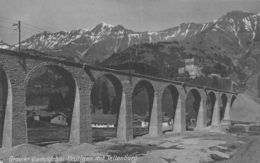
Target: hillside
(167,57)
(235,35)
(243,105)
(233,41)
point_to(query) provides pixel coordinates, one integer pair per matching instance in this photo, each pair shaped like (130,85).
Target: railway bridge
(207,106)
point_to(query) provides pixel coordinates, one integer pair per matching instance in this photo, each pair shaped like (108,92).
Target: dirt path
(193,147)
(249,153)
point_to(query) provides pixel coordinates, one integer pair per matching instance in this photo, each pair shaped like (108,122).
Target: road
(249,153)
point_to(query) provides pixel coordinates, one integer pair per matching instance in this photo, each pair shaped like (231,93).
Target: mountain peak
(102,27)
(104,24)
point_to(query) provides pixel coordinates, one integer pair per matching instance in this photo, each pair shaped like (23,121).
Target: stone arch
(169,105)
(106,97)
(192,106)
(224,100)
(142,101)
(233,98)
(211,101)
(5,92)
(50,100)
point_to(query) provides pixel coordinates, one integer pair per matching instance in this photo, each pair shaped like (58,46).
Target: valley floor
(210,145)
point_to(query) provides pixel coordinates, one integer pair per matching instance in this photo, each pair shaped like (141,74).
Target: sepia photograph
(130,81)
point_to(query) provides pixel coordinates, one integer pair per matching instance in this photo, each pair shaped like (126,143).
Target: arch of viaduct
(18,68)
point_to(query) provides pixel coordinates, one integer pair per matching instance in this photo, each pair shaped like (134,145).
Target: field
(50,133)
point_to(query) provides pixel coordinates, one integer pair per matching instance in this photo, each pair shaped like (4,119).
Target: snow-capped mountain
(235,31)
(243,26)
(4,45)
(48,41)
(235,35)
(104,39)
(229,45)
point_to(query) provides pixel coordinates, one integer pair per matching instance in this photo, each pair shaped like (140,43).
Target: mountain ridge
(235,35)
(230,43)
(112,39)
(100,42)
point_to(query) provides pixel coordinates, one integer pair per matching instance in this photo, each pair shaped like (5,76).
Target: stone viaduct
(17,68)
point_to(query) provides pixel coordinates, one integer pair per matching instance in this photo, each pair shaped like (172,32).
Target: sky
(138,15)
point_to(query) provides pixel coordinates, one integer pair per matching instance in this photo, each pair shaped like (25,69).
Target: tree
(220,69)
(56,103)
(207,70)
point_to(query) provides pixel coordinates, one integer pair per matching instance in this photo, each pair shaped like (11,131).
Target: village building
(167,123)
(140,121)
(191,67)
(59,119)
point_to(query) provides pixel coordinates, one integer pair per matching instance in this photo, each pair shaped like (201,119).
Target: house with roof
(141,121)
(59,119)
(51,117)
(167,123)
(192,67)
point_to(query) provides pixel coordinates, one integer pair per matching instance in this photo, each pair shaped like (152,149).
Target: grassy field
(50,133)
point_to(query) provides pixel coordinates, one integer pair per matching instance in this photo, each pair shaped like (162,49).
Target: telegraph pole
(18,25)
(19,29)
